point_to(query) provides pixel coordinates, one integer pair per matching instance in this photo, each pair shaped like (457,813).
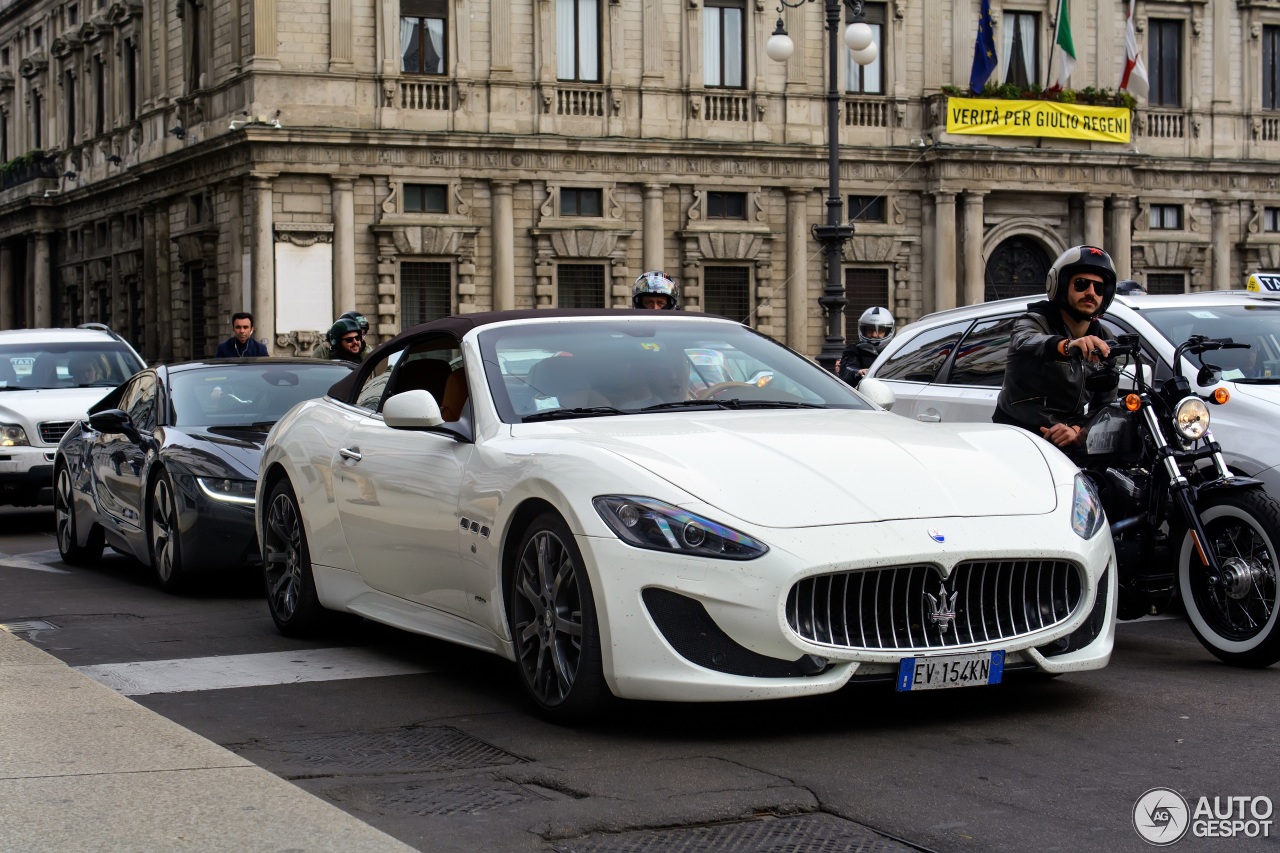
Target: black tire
(286,561)
(64,511)
(164,539)
(552,616)
(1235,619)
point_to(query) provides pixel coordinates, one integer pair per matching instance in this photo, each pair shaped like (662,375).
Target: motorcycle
(1185,527)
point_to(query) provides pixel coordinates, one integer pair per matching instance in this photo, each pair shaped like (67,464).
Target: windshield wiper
(1257,380)
(586,412)
(685,404)
(736,403)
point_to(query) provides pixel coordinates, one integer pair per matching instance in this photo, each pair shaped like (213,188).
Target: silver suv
(949,366)
(48,378)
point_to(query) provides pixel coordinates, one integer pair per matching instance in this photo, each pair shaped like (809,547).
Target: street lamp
(861,41)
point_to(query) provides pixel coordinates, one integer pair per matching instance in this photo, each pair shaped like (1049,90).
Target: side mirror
(415,409)
(114,421)
(877,392)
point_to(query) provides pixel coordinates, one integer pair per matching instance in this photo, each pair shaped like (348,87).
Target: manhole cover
(429,800)
(811,833)
(28,627)
(404,750)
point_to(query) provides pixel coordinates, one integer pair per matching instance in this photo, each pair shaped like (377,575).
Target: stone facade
(197,159)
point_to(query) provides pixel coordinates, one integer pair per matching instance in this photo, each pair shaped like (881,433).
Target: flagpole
(1053,47)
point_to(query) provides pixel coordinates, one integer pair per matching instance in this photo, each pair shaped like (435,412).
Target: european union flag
(984,50)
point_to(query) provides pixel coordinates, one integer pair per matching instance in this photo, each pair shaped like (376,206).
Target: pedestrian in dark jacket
(241,343)
(1052,347)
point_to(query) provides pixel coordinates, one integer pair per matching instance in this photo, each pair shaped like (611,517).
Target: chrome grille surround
(51,432)
(889,609)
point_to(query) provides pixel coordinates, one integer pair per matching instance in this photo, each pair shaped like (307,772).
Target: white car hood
(812,468)
(37,406)
(1266,393)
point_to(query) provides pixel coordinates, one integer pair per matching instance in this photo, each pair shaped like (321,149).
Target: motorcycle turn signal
(1220,396)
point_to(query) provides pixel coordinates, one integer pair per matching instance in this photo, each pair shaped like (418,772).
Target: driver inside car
(1054,350)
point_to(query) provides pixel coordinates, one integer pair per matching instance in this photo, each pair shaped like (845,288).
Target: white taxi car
(578,492)
(48,379)
(949,366)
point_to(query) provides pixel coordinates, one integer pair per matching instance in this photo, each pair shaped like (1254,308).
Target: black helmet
(359,318)
(341,327)
(874,320)
(656,282)
(1129,287)
(1079,259)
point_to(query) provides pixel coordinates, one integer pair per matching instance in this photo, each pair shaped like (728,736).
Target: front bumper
(683,629)
(26,475)
(216,535)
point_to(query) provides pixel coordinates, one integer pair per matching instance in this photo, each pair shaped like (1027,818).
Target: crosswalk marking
(221,672)
(35,561)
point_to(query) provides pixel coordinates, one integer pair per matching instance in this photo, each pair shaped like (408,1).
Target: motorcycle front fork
(1182,491)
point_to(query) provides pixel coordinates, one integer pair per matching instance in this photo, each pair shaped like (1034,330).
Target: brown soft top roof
(459,325)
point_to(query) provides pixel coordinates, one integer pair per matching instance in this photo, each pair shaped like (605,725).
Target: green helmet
(340,329)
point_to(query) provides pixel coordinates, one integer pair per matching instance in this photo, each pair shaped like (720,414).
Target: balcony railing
(1168,125)
(1270,129)
(726,108)
(866,113)
(425,95)
(579,102)
(21,173)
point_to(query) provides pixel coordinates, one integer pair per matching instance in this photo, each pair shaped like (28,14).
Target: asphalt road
(437,746)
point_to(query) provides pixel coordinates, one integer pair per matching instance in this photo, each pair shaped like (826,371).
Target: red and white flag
(1134,76)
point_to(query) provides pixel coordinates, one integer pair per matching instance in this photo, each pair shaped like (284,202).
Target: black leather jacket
(857,356)
(1042,388)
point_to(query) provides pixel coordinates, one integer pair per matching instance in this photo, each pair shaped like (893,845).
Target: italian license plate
(933,673)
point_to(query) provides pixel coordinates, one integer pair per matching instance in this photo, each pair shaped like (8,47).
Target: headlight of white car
(1191,419)
(1086,509)
(12,435)
(659,526)
(228,491)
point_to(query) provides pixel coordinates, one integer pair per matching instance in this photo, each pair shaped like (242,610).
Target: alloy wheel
(63,507)
(283,557)
(548,617)
(163,529)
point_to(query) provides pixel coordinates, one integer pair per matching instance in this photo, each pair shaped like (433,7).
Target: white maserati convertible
(658,505)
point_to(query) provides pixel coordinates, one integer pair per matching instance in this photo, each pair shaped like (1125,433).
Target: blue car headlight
(228,491)
(1086,509)
(660,526)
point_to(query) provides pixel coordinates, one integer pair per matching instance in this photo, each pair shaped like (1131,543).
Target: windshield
(608,367)
(250,395)
(1256,325)
(71,365)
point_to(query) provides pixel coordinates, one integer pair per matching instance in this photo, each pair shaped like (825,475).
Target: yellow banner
(998,117)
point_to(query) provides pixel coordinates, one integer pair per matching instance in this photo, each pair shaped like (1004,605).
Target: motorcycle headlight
(1191,418)
(1086,509)
(228,491)
(660,526)
(12,435)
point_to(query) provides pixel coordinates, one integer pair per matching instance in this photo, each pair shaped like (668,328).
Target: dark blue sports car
(165,467)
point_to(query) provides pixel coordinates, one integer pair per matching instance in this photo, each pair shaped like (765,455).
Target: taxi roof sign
(1264,282)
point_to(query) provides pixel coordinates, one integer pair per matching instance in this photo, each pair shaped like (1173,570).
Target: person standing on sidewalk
(241,343)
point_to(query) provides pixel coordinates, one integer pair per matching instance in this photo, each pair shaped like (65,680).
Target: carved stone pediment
(304,233)
(736,245)
(94,29)
(433,240)
(6,80)
(72,276)
(582,242)
(64,45)
(96,270)
(1170,254)
(33,64)
(197,246)
(871,248)
(122,11)
(128,263)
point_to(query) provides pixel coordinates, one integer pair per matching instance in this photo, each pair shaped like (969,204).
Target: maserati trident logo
(942,609)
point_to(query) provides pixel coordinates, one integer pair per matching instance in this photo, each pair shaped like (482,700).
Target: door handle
(350,453)
(929,419)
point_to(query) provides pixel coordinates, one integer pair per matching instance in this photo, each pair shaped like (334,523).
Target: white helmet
(875,326)
(655,282)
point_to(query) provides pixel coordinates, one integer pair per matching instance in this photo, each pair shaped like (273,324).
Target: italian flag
(1065,49)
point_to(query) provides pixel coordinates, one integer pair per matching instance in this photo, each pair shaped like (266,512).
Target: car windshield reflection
(70,365)
(554,370)
(249,396)
(1255,325)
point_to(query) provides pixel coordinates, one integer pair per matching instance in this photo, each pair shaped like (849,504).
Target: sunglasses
(351,340)
(1080,285)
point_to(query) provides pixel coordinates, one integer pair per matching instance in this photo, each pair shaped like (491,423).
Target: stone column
(975,283)
(797,270)
(264,263)
(654,230)
(944,251)
(164,283)
(340,36)
(1222,245)
(1121,244)
(41,290)
(6,287)
(150,283)
(504,246)
(928,235)
(266,45)
(344,245)
(1093,220)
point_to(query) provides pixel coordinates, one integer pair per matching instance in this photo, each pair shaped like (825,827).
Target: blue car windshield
(576,367)
(253,394)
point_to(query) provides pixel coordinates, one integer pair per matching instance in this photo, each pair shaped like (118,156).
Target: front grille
(904,608)
(51,432)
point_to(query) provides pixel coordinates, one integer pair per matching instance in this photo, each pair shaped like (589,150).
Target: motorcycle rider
(654,289)
(875,328)
(1045,388)
(328,351)
(345,343)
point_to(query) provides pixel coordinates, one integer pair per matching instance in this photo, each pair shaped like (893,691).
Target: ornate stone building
(169,163)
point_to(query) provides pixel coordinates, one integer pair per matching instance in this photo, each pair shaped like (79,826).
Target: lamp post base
(832,238)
